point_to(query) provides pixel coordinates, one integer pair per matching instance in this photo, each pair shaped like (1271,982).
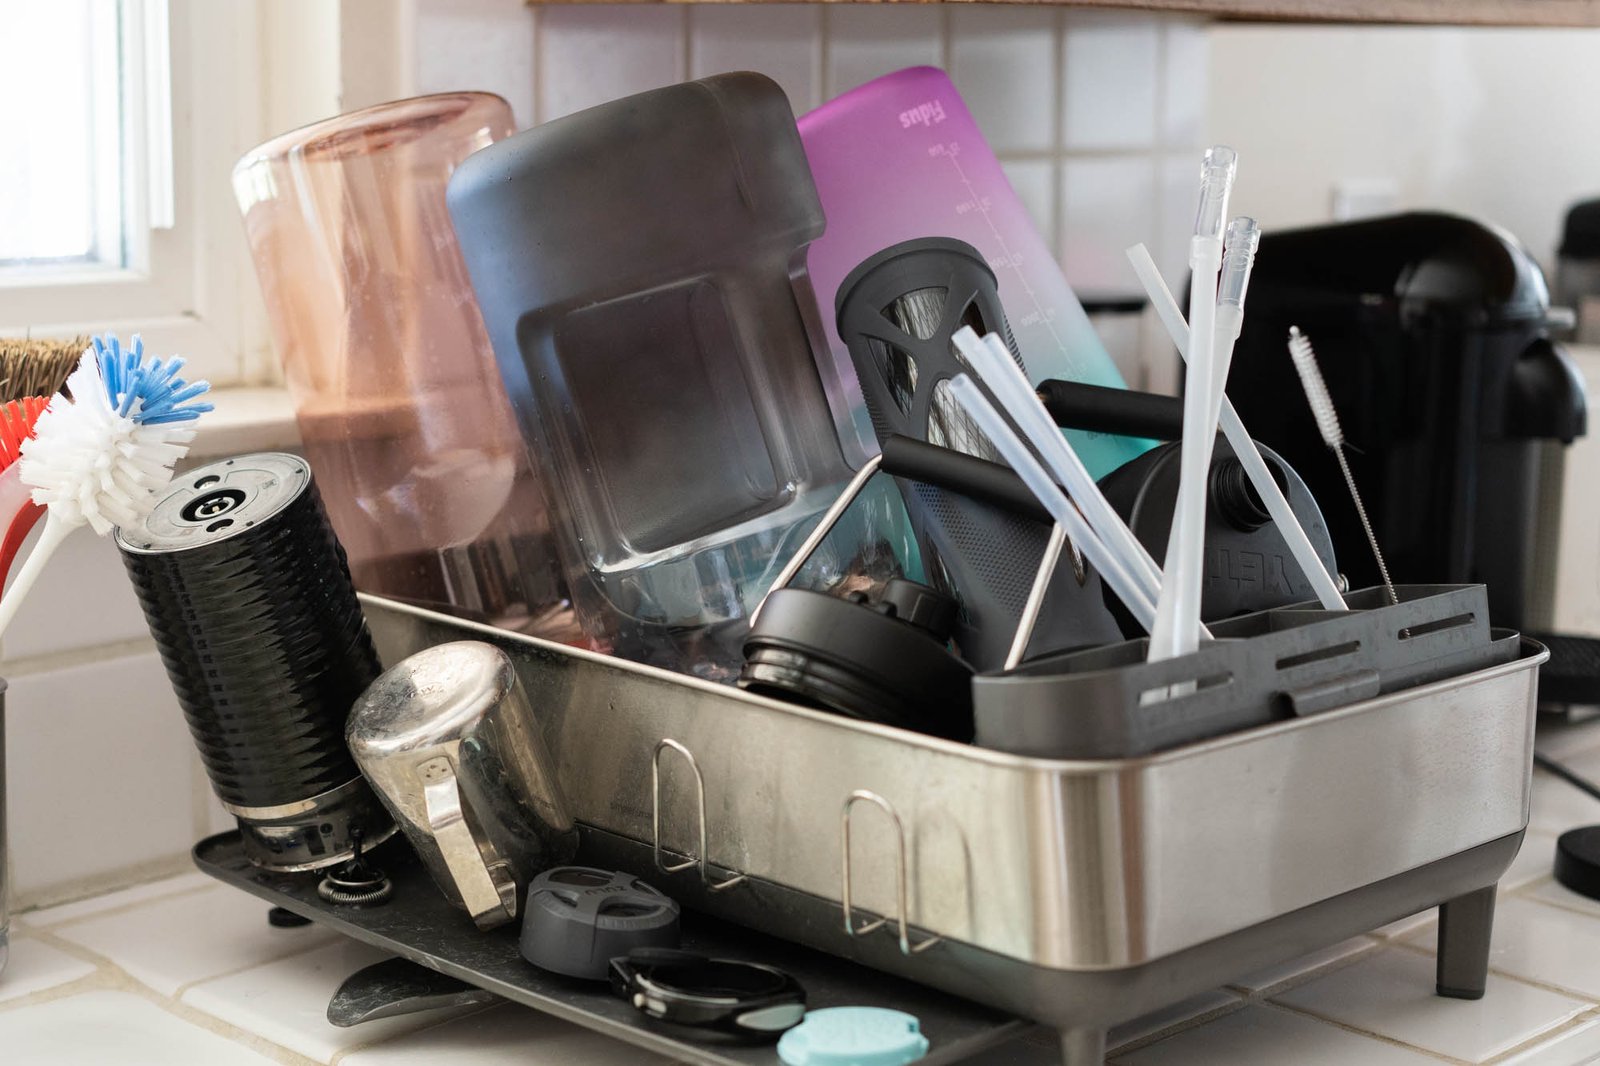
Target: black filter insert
(897,311)
(248,596)
(881,661)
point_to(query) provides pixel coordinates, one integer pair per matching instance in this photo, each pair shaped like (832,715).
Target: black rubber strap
(972,477)
(1097,408)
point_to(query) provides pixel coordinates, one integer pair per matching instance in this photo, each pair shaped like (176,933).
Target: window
(62,200)
(119,123)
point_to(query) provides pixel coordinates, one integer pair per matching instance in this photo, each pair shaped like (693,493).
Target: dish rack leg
(1083,1046)
(1464,927)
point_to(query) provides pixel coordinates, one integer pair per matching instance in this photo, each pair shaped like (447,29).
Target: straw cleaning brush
(1305,364)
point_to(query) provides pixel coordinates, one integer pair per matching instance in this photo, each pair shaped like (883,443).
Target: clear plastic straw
(991,362)
(1244,446)
(1109,564)
(1177,629)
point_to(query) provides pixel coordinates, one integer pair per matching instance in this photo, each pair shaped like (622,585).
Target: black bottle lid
(1580,237)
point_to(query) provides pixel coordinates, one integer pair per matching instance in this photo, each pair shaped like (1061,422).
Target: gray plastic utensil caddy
(1109,703)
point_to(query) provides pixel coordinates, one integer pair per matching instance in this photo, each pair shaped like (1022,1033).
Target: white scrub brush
(1305,364)
(100,457)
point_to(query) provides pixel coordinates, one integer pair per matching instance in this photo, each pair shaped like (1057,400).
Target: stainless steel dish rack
(1079,893)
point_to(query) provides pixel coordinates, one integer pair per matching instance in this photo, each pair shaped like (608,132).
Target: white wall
(1501,124)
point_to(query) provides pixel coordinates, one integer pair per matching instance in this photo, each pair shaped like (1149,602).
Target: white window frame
(188,286)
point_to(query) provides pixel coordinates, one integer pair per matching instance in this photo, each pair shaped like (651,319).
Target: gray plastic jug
(641,269)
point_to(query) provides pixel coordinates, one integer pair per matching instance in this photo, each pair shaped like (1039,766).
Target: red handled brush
(17,510)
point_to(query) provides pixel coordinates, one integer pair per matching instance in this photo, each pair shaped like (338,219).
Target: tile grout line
(946,44)
(1307,976)
(105,962)
(66,659)
(327,937)
(1302,1012)
(1583,997)
(1555,905)
(1550,1037)
(1204,1017)
(109,912)
(211,1023)
(534,62)
(538,116)
(1533,982)
(686,45)
(109,977)
(1056,152)
(824,53)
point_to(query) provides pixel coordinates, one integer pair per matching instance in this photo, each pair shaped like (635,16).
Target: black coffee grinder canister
(248,596)
(1431,330)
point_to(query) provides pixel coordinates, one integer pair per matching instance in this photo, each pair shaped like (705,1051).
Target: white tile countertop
(185,970)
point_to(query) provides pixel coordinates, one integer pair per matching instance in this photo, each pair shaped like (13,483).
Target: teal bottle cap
(854,1036)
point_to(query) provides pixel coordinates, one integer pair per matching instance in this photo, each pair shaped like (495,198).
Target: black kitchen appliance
(1432,332)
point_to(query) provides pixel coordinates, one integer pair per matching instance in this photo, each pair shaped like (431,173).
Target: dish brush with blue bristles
(99,456)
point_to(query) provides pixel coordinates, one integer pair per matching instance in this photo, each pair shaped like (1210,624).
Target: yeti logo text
(1252,570)
(922,115)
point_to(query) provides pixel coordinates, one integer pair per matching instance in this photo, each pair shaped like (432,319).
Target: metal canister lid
(221,500)
(578,919)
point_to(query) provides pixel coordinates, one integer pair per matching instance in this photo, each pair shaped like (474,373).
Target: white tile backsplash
(485,45)
(1121,334)
(82,599)
(97,774)
(1034,181)
(589,54)
(1177,200)
(1186,65)
(1106,205)
(782,41)
(1001,60)
(867,41)
(1110,64)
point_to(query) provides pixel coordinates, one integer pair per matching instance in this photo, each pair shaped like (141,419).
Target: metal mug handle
(488,889)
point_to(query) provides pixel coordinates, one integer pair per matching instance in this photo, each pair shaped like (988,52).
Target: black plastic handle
(1100,409)
(975,478)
